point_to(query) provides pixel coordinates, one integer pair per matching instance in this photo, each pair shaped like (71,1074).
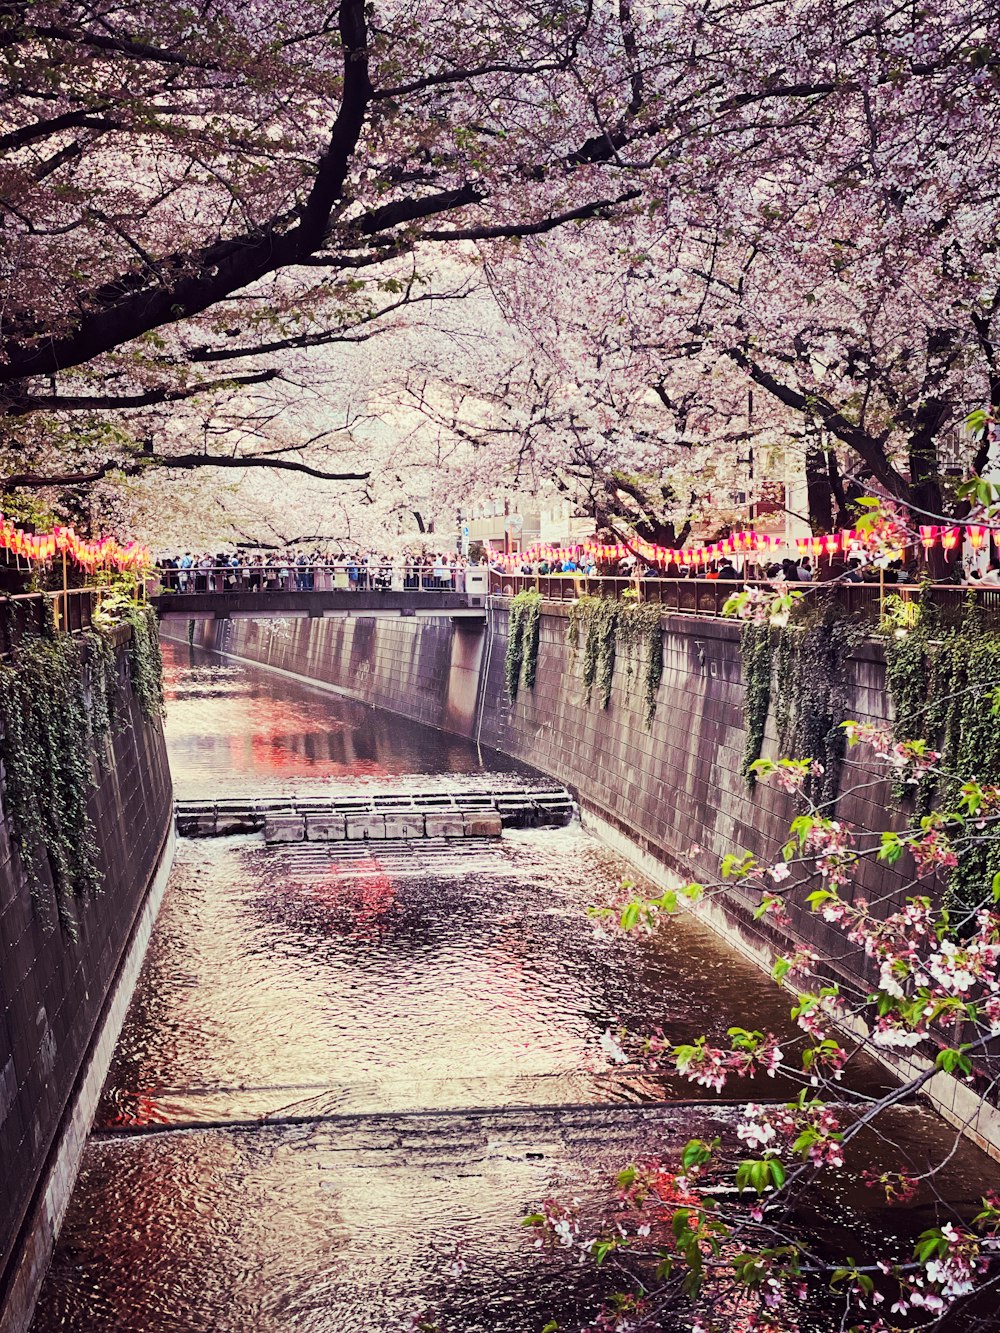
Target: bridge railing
(707,597)
(349,576)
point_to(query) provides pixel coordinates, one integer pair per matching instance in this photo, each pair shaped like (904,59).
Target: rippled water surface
(343,1066)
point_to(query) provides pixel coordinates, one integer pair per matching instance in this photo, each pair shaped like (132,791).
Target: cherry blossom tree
(192,198)
(829,286)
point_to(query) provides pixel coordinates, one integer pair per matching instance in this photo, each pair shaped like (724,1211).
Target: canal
(347,1073)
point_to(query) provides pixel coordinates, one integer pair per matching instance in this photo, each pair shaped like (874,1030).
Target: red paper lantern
(976,533)
(949,538)
(928,535)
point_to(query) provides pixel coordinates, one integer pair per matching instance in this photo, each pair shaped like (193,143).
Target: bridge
(314,592)
(293,604)
(238,594)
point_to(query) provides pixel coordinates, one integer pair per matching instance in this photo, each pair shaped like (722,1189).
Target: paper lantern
(816,545)
(949,538)
(831,543)
(976,533)
(847,536)
(928,535)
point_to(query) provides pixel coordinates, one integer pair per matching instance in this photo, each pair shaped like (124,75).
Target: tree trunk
(819,490)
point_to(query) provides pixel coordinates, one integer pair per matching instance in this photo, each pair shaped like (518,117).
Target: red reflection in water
(364,890)
(139,1108)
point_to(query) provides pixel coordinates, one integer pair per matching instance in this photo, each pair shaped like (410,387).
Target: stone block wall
(55,987)
(675,789)
(425,667)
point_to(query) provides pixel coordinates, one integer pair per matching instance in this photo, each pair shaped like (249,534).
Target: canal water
(347,1072)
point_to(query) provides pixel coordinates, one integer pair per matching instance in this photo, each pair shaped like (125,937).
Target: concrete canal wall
(63,995)
(426,667)
(674,789)
(671,797)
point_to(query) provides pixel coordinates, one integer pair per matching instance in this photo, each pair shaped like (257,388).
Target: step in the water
(382,816)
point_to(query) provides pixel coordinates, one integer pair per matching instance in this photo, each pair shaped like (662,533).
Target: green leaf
(977,421)
(951,1060)
(697,1152)
(630,916)
(601,1249)
(892,848)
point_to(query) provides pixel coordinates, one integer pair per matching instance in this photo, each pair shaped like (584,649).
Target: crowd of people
(305,571)
(295,569)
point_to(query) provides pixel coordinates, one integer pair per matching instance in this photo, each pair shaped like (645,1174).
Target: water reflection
(351,1224)
(256,732)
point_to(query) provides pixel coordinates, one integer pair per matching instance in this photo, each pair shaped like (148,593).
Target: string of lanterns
(748,543)
(932,533)
(103,553)
(740,543)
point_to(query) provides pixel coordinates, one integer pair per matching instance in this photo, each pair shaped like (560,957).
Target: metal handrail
(24,614)
(707,597)
(397,576)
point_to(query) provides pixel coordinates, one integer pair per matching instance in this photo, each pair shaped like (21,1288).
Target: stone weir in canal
(668,790)
(68,965)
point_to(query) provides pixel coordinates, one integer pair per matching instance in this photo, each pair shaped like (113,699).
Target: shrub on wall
(802,667)
(945,690)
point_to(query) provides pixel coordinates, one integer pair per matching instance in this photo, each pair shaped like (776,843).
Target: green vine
(815,686)
(802,667)
(755,653)
(523,628)
(944,687)
(532,625)
(605,624)
(101,656)
(144,657)
(60,704)
(46,739)
(640,632)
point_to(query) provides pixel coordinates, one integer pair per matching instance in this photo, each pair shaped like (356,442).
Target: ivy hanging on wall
(523,628)
(812,679)
(604,625)
(944,687)
(803,667)
(46,741)
(640,632)
(60,704)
